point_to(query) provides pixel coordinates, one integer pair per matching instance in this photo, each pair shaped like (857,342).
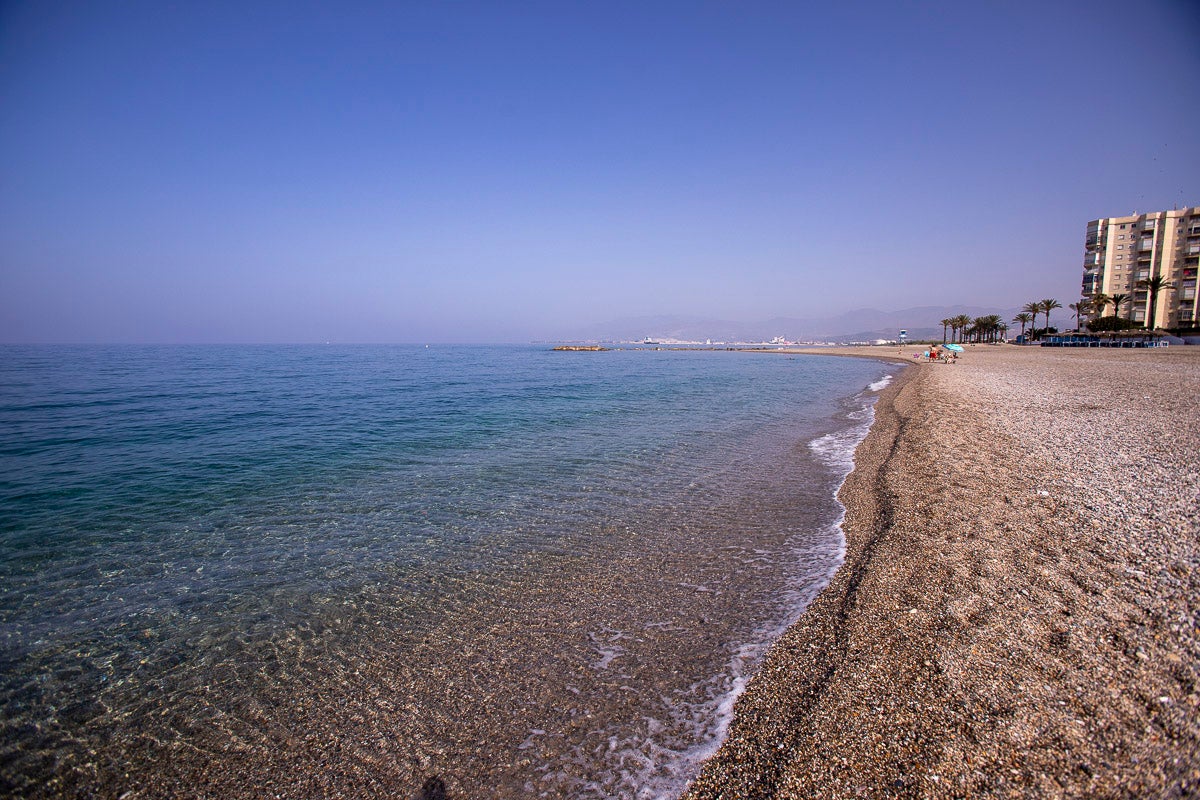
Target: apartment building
(1121,251)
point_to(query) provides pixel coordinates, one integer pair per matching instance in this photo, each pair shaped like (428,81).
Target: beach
(521,572)
(1016,616)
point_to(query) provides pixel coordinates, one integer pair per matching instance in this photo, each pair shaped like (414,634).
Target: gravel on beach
(1017,613)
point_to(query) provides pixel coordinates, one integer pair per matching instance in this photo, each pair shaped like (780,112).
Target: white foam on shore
(713,719)
(881,384)
(837,450)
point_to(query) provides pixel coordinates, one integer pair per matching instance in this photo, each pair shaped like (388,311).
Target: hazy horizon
(513,172)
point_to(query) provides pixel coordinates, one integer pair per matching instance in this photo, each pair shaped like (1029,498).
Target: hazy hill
(864,324)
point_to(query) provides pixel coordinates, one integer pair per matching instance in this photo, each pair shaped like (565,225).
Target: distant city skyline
(491,172)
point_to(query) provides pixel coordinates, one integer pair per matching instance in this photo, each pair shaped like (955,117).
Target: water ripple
(184,529)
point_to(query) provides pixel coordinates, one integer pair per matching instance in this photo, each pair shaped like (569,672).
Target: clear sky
(456,171)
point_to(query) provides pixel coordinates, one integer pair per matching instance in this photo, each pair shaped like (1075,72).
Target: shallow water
(323,570)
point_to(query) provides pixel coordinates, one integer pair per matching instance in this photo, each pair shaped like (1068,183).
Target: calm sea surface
(339,570)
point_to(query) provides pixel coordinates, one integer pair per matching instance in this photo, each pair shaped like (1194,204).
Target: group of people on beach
(933,354)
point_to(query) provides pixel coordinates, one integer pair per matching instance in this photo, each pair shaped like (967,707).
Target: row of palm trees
(1030,311)
(1100,301)
(989,328)
(981,329)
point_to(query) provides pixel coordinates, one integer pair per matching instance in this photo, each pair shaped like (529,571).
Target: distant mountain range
(861,325)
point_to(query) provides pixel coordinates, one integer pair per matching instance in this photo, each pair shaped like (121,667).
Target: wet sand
(1017,615)
(594,666)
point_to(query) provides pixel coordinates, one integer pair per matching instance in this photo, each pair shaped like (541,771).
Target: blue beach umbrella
(955,347)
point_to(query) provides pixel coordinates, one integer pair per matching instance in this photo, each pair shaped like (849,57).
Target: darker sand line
(1015,617)
(775,710)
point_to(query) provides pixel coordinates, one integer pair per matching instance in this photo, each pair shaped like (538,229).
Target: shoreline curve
(1015,616)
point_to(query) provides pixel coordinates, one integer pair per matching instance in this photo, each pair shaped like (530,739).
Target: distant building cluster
(1121,253)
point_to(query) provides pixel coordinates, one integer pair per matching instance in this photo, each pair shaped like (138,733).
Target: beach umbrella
(955,347)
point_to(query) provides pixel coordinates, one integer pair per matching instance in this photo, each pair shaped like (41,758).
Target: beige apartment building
(1120,251)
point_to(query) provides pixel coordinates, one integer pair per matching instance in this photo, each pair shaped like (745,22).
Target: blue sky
(457,171)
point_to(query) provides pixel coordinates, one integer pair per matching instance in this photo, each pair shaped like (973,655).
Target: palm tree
(1033,309)
(946,323)
(986,327)
(1024,318)
(1047,306)
(1154,286)
(1082,307)
(1117,300)
(1099,301)
(964,322)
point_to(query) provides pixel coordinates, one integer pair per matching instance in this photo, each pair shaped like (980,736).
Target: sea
(346,571)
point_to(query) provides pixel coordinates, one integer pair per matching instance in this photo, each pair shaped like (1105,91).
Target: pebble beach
(1017,613)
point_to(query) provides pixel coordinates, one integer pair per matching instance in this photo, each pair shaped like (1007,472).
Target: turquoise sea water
(191,536)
